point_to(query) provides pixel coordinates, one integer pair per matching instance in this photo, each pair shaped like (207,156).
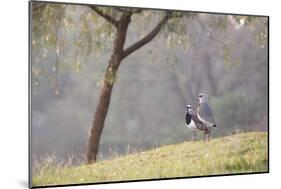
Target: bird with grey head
(205,112)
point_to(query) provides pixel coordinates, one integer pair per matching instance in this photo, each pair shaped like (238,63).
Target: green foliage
(46,23)
(218,22)
(262,35)
(258,26)
(228,155)
(235,112)
(228,60)
(57,27)
(175,31)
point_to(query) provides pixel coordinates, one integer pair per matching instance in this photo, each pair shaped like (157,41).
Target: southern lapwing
(205,113)
(193,122)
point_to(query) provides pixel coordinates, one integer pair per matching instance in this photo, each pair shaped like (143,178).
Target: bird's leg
(209,132)
(194,138)
(195,132)
(204,136)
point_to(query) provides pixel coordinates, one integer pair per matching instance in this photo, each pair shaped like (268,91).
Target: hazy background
(153,87)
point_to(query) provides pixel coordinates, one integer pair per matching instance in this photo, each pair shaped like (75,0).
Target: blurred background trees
(224,56)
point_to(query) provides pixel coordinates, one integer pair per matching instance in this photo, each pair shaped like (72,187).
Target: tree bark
(104,100)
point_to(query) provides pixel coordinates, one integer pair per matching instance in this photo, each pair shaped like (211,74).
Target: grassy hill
(239,153)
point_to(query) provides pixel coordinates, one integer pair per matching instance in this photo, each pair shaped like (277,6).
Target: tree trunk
(104,100)
(98,123)
(117,56)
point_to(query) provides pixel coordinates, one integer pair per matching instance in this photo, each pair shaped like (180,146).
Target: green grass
(239,153)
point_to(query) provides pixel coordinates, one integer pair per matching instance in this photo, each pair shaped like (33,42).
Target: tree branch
(104,15)
(148,37)
(208,32)
(127,10)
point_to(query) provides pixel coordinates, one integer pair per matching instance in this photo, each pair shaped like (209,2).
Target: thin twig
(107,17)
(208,32)
(128,10)
(148,37)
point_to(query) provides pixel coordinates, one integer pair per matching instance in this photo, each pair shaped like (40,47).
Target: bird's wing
(206,113)
(187,118)
(199,124)
(196,119)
